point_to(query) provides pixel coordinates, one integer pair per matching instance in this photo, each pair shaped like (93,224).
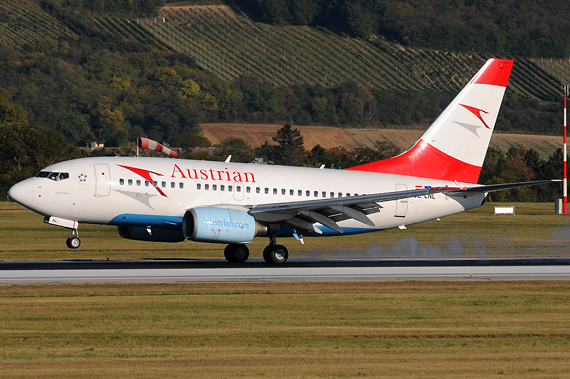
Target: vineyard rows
(21,24)
(230,44)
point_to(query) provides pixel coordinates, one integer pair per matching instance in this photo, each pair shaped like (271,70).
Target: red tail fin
(454,146)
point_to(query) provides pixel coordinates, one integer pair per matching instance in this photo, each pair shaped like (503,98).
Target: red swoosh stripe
(145,174)
(425,161)
(477,113)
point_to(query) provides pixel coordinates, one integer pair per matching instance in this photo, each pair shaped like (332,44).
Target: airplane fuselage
(158,191)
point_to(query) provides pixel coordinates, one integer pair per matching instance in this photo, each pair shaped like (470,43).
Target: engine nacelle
(220,225)
(150,233)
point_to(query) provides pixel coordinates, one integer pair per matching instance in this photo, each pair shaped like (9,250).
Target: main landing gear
(73,242)
(236,253)
(275,254)
(272,254)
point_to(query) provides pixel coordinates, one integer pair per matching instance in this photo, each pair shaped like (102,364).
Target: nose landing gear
(73,242)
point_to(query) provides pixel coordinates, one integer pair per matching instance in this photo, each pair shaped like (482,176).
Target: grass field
(535,231)
(472,329)
(304,330)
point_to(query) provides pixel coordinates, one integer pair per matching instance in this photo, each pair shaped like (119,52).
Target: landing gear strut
(236,253)
(275,254)
(73,242)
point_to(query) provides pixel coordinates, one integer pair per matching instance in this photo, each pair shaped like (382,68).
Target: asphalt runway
(192,271)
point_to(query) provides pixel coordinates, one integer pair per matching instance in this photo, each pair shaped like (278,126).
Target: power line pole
(564,182)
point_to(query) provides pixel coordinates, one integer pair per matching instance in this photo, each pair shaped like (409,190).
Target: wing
(328,212)
(304,214)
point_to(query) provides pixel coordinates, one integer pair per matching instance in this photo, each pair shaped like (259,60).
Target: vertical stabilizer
(454,146)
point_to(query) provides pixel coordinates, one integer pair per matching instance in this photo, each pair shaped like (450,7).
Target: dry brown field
(257,134)
(328,137)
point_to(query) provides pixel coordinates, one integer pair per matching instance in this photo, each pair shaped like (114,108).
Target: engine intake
(220,225)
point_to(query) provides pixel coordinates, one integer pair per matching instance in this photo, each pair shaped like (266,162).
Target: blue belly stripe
(162,221)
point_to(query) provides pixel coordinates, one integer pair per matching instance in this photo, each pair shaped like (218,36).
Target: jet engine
(220,225)
(150,233)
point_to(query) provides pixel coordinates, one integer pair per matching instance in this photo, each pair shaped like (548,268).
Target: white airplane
(170,200)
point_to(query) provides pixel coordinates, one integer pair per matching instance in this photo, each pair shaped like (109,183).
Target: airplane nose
(22,192)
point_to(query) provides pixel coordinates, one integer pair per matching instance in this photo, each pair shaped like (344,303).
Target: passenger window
(266,190)
(275,191)
(332,194)
(258,190)
(282,191)
(138,183)
(230,188)
(130,182)
(222,187)
(347,195)
(155,183)
(299,193)
(316,193)
(238,189)
(206,187)
(248,189)
(198,186)
(146,183)
(308,193)
(121,181)
(181,185)
(324,194)
(172,185)
(214,187)
(291,192)
(340,194)
(163,184)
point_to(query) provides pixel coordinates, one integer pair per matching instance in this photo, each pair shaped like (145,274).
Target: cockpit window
(53,175)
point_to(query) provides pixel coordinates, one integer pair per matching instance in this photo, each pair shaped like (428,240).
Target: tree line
(128,8)
(527,28)
(115,90)
(28,148)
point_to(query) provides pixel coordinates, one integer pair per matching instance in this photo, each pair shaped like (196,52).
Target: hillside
(329,137)
(116,78)
(228,44)
(23,26)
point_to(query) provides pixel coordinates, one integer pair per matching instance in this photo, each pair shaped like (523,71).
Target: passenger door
(102,180)
(402,204)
